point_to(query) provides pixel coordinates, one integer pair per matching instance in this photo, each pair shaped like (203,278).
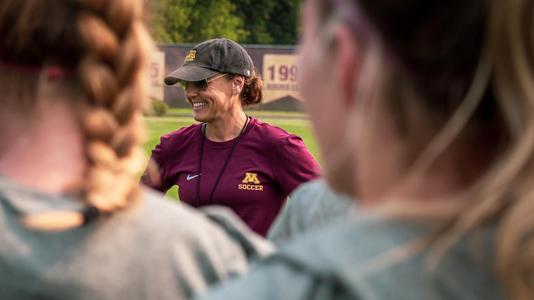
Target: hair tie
(90,213)
(50,71)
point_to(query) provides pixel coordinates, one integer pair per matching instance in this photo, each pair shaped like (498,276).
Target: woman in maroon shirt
(229,159)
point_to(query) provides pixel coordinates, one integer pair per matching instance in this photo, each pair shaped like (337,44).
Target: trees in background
(245,21)
(175,21)
(257,20)
(284,21)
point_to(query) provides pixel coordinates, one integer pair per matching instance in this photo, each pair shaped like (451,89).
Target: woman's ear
(346,63)
(237,85)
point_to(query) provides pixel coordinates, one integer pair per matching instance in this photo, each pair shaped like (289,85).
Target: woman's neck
(48,154)
(227,128)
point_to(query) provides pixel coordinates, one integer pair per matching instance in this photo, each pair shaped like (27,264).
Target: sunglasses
(201,85)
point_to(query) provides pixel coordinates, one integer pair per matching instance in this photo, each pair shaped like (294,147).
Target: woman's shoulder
(352,241)
(179,230)
(184,224)
(175,246)
(269,130)
(273,135)
(321,261)
(165,214)
(312,205)
(367,257)
(366,252)
(180,135)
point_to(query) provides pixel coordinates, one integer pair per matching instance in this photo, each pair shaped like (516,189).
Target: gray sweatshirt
(153,250)
(312,206)
(362,257)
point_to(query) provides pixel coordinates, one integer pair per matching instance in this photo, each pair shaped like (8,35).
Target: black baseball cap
(211,57)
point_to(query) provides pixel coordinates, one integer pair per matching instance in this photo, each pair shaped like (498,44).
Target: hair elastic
(90,213)
(48,71)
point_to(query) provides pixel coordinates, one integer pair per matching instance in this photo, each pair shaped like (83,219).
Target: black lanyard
(203,133)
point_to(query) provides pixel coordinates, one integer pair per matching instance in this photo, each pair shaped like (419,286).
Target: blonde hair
(498,95)
(105,44)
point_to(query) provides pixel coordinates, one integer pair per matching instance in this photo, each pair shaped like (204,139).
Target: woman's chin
(200,115)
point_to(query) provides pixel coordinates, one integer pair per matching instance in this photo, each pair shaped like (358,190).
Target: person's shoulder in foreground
(311,206)
(153,250)
(366,258)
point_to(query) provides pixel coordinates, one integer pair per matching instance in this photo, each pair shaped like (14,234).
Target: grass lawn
(293,122)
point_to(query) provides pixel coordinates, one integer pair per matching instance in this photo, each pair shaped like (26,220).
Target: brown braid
(108,48)
(111,75)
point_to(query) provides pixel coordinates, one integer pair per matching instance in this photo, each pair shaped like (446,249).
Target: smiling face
(213,99)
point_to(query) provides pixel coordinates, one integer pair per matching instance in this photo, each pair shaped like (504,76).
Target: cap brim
(189,73)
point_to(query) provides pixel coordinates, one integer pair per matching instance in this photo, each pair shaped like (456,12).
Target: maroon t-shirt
(267,164)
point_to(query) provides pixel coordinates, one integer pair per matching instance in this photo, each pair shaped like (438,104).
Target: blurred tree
(211,19)
(193,21)
(245,21)
(284,20)
(169,19)
(256,16)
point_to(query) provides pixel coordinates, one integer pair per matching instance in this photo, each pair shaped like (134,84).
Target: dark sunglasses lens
(199,85)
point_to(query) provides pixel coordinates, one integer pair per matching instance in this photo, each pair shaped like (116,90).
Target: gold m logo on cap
(191,55)
(251,178)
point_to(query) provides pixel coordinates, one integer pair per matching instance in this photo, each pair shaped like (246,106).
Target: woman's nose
(191,91)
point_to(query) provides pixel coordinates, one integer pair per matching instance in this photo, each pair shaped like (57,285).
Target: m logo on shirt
(251,178)
(250,183)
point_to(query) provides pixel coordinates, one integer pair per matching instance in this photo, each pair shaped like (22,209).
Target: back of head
(98,50)
(463,71)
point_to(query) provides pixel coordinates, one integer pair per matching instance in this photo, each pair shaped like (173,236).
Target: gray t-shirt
(313,205)
(153,250)
(366,258)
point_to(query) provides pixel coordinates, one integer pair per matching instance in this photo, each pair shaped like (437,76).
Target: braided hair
(100,47)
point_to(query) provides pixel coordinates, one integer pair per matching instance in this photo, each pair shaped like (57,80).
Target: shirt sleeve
(294,164)
(156,174)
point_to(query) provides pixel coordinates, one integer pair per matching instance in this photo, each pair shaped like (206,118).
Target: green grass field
(293,122)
